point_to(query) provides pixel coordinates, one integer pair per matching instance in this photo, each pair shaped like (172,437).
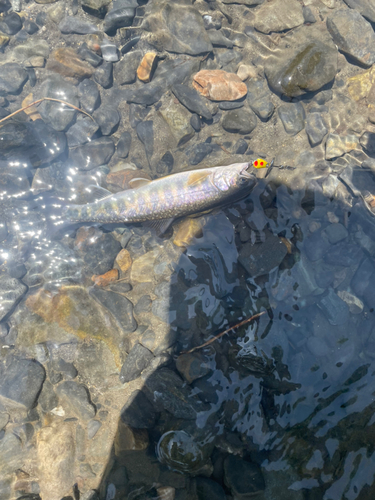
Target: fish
(168,198)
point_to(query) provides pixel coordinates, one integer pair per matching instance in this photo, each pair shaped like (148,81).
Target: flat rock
(138,412)
(178,120)
(316,128)
(292,116)
(259,99)
(76,398)
(73,24)
(67,62)
(119,306)
(337,145)
(89,95)
(107,117)
(239,121)
(137,360)
(364,7)
(192,100)
(219,85)
(11,291)
(279,15)
(124,144)
(118,18)
(147,66)
(353,35)
(81,132)
(95,153)
(12,78)
(125,71)
(104,75)
(334,308)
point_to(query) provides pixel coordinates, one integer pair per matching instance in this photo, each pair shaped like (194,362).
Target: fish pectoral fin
(97,193)
(160,226)
(197,178)
(138,182)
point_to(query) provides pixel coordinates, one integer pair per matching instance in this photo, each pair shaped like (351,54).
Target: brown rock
(106,278)
(124,260)
(121,178)
(219,85)
(32,110)
(67,62)
(147,67)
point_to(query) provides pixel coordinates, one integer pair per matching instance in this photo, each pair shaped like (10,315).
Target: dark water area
(232,356)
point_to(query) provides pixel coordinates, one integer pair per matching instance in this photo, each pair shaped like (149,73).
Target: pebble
(126,70)
(76,398)
(89,95)
(179,122)
(195,122)
(316,128)
(12,78)
(227,105)
(90,56)
(30,27)
(279,15)
(246,71)
(11,24)
(58,88)
(137,360)
(118,305)
(353,35)
(95,7)
(193,366)
(292,116)
(109,51)
(192,100)
(118,18)
(81,132)
(219,40)
(145,133)
(199,152)
(308,15)
(147,67)
(334,308)
(124,260)
(95,153)
(98,250)
(106,278)
(108,118)
(336,232)
(239,121)
(262,258)
(367,141)
(165,164)
(219,85)
(124,145)
(130,43)
(73,24)
(104,75)
(67,62)
(259,99)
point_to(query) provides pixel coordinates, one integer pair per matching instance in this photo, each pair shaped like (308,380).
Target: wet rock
(119,306)
(292,116)
(103,75)
(128,438)
(337,145)
(335,233)
(123,145)
(67,62)
(308,62)
(178,120)
(30,48)
(219,85)
(186,232)
(315,246)
(5,5)
(207,488)
(308,15)
(12,78)
(145,132)
(95,153)
(30,27)
(334,308)
(89,95)
(239,121)
(11,24)
(89,55)
(126,70)
(259,99)
(181,452)
(12,455)
(73,24)
(11,292)
(343,254)
(212,21)
(81,132)
(4,39)
(176,28)
(228,105)
(21,381)
(57,88)
(165,164)
(199,152)
(166,390)
(107,117)
(195,122)
(147,67)
(96,7)
(124,260)
(97,249)
(243,478)
(138,412)
(193,366)
(219,40)
(109,51)
(367,141)
(192,100)
(353,35)
(106,278)
(279,15)
(76,397)
(261,258)
(364,7)
(48,399)
(316,128)
(118,18)
(137,360)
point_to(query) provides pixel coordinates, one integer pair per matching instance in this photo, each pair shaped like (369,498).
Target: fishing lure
(260,163)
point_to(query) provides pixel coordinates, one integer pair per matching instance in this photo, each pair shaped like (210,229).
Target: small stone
(147,67)
(76,397)
(178,120)
(145,133)
(279,15)
(292,116)
(73,24)
(316,128)
(4,39)
(353,35)
(89,55)
(193,366)
(138,412)
(137,360)
(11,24)
(5,5)
(92,428)
(103,75)
(126,70)
(246,71)
(81,132)
(118,18)
(123,145)
(96,7)
(30,26)
(367,141)
(192,100)
(67,62)
(219,85)
(364,7)
(219,40)
(187,231)
(335,233)
(259,99)
(337,145)
(354,303)
(239,121)
(244,479)
(89,95)
(228,105)
(334,308)
(195,122)
(106,278)
(124,260)
(58,88)
(48,399)
(12,78)
(119,306)
(93,154)
(199,152)
(107,117)
(165,165)
(308,15)
(343,254)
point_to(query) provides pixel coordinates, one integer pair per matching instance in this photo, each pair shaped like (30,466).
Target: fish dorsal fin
(197,177)
(159,225)
(138,182)
(97,193)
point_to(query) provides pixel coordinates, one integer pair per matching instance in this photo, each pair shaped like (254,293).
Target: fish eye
(243,180)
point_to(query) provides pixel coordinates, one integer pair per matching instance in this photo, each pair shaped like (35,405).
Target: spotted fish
(167,198)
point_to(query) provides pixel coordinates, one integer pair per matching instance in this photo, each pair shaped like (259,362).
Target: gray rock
(367,141)
(193,366)
(137,360)
(343,254)
(364,7)
(48,399)
(191,99)
(76,398)
(93,154)
(21,380)
(104,75)
(335,233)
(107,117)
(165,164)
(308,62)
(212,21)
(259,99)
(280,15)
(4,419)
(308,15)
(11,24)
(125,71)
(109,51)
(118,18)
(96,7)
(98,250)
(11,292)
(239,121)
(219,40)
(167,391)
(12,455)
(199,152)
(292,116)
(147,95)
(145,132)
(316,128)
(119,306)
(92,428)
(138,412)
(207,488)
(243,478)
(81,132)
(73,24)
(89,95)
(57,87)
(228,105)
(12,78)
(89,55)
(195,122)
(123,145)
(315,246)
(353,35)
(334,308)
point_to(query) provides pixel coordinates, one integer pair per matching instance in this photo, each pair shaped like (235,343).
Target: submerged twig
(223,333)
(45,99)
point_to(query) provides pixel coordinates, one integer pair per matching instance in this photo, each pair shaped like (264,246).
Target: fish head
(233,178)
